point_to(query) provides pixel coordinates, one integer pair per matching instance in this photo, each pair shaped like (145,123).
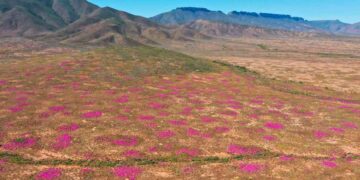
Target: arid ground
(332,63)
(147,113)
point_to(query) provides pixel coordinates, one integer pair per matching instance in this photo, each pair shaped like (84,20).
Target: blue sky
(344,10)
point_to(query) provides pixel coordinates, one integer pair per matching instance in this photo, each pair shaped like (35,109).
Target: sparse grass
(240,69)
(154,61)
(263,46)
(18,159)
(337,55)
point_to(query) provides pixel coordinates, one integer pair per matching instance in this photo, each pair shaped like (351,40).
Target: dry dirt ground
(325,62)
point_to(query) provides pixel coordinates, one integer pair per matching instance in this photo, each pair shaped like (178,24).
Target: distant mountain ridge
(80,21)
(181,16)
(221,29)
(266,15)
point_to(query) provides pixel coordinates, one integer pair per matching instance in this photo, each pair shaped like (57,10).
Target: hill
(78,21)
(353,29)
(36,17)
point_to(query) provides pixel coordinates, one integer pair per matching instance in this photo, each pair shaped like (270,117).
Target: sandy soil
(324,62)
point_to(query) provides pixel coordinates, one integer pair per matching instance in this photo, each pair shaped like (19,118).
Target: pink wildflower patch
(57,108)
(69,127)
(62,142)
(302,112)
(269,138)
(222,129)
(186,111)
(155,105)
(337,130)
(126,141)
(20,143)
(162,96)
(153,149)
(250,167)
(253,116)
(92,114)
(274,125)
(122,99)
(208,119)
(177,122)
(188,170)
(127,172)
(44,115)
(2,163)
(151,125)
(164,114)
(146,118)
(349,125)
(193,132)
(286,158)
(49,174)
(329,164)
(188,151)
(122,118)
(16,109)
(206,135)
(165,134)
(86,171)
(2,82)
(234,104)
(229,113)
(256,101)
(240,150)
(132,154)
(21,99)
(320,134)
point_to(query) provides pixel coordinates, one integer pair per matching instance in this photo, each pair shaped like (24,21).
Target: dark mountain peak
(243,13)
(265,15)
(280,16)
(193,9)
(275,16)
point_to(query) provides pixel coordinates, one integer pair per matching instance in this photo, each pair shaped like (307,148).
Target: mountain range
(78,21)
(186,15)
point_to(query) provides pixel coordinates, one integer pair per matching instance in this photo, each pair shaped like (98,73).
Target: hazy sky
(344,10)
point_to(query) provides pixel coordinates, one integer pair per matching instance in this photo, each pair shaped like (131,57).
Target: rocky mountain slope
(37,17)
(80,21)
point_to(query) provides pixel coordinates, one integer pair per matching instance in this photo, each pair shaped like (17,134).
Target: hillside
(36,17)
(353,29)
(78,21)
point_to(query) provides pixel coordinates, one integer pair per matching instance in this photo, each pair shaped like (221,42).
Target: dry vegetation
(141,112)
